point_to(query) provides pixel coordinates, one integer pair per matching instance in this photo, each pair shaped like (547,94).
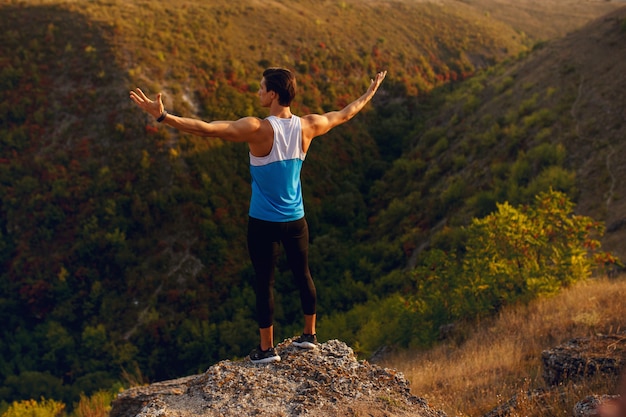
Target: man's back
(276,189)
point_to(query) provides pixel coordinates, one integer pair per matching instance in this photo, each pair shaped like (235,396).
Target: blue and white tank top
(276,187)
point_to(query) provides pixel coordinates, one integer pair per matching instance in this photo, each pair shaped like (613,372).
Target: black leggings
(264,240)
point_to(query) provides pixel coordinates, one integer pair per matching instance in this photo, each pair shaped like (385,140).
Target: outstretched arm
(246,129)
(319,124)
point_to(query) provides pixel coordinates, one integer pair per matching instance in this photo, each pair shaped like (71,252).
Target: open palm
(154,107)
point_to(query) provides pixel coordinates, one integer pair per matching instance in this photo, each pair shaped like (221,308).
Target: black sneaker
(307,341)
(264,356)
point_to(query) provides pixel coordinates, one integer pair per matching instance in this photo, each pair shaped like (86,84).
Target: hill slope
(118,235)
(483,365)
(122,243)
(553,119)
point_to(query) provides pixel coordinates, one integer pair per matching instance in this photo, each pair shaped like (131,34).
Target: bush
(504,84)
(528,105)
(541,118)
(471,104)
(32,408)
(453,195)
(546,155)
(432,135)
(511,255)
(553,177)
(517,253)
(483,202)
(439,147)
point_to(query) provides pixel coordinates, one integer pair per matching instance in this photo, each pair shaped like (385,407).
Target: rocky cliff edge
(328,381)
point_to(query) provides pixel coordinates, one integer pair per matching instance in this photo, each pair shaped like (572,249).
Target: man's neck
(284,112)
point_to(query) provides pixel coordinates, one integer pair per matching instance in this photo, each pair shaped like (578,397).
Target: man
(278,146)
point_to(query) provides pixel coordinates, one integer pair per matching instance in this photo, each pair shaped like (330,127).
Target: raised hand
(378,79)
(153,107)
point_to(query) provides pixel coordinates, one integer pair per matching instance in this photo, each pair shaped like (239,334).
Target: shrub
(432,135)
(528,105)
(511,255)
(459,162)
(541,118)
(483,202)
(453,195)
(546,154)
(553,177)
(32,408)
(439,147)
(504,84)
(519,253)
(471,104)
(543,135)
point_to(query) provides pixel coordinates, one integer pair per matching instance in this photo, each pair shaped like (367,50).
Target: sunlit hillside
(122,242)
(546,19)
(482,366)
(552,119)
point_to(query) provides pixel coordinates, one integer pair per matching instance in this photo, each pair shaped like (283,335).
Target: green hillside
(551,119)
(122,243)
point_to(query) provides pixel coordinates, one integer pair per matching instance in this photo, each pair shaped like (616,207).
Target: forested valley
(122,242)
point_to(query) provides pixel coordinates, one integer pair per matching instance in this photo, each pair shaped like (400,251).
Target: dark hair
(282,82)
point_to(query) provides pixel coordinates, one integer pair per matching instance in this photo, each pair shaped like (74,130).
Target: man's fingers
(134,97)
(139,96)
(142,95)
(379,77)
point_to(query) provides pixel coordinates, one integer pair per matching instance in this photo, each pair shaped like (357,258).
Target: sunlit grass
(495,359)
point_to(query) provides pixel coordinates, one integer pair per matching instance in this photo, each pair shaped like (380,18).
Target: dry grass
(501,357)
(98,405)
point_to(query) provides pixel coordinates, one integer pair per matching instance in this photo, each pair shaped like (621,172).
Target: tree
(513,254)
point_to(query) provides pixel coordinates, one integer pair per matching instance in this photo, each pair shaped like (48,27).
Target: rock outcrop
(573,361)
(584,357)
(328,381)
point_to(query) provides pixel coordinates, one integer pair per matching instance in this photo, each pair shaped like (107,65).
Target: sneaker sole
(306,345)
(266,360)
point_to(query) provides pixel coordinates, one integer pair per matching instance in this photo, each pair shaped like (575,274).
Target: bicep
(321,123)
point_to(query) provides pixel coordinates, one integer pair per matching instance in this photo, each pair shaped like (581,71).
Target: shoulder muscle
(317,124)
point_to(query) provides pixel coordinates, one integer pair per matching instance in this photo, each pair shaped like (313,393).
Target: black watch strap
(162,116)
